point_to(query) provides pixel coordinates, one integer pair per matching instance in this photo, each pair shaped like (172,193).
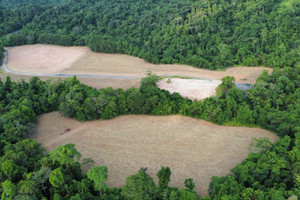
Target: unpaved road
(113,70)
(58,61)
(101,81)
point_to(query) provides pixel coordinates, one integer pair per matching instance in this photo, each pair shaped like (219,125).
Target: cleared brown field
(93,82)
(192,148)
(80,60)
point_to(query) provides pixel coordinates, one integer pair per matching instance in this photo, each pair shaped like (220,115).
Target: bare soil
(193,89)
(43,58)
(192,148)
(93,82)
(80,60)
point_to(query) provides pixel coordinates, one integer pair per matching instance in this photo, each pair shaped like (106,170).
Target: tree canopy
(272,172)
(207,34)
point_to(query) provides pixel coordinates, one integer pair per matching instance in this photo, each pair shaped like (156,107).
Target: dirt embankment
(192,148)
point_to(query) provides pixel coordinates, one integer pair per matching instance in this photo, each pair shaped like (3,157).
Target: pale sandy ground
(80,60)
(193,148)
(193,89)
(51,59)
(43,59)
(93,82)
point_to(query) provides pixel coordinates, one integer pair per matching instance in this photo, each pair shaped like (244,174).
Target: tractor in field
(65,131)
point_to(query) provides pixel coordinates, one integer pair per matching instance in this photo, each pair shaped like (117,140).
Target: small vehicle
(65,131)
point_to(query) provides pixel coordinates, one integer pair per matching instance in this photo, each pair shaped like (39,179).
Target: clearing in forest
(81,60)
(193,148)
(193,89)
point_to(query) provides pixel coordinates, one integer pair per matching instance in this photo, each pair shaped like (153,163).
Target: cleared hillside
(192,148)
(47,59)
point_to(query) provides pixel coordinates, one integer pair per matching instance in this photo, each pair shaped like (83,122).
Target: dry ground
(193,89)
(80,60)
(192,148)
(93,82)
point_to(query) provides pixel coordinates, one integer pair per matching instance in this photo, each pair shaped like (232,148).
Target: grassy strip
(182,77)
(238,124)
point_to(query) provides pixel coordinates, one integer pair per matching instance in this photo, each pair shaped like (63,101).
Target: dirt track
(191,147)
(113,70)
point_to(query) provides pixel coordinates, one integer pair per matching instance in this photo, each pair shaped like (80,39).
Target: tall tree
(163,175)
(98,175)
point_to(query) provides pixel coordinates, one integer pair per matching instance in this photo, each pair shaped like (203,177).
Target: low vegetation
(26,173)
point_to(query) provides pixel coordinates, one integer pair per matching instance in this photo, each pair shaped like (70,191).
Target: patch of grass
(235,123)
(182,77)
(287,5)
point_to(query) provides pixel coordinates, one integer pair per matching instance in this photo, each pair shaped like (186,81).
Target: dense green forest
(14,14)
(208,34)
(21,3)
(26,173)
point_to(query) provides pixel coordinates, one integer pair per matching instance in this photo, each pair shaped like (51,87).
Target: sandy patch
(93,82)
(43,58)
(80,60)
(192,148)
(193,89)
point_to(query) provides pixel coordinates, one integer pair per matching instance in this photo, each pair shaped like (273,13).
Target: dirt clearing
(193,89)
(93,82)
(43,58)
(80,60)
(192,148)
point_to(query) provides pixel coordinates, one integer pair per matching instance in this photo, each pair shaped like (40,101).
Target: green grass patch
(287,5)
(235,123)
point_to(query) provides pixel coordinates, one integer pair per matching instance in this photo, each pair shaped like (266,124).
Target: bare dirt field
(43,58)
(93,82)
(80,60)
(193,89)
(192,148)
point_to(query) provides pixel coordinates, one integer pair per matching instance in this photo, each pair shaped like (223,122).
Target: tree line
(1,54)
(207,34)
(26,173)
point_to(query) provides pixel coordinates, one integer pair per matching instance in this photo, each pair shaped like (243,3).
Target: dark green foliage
(266,175)
(189,184)
(14,14)
(226,85)
(139,186)
(163,175)
(65,155)
(206,34)
(187,195)
(98,175)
